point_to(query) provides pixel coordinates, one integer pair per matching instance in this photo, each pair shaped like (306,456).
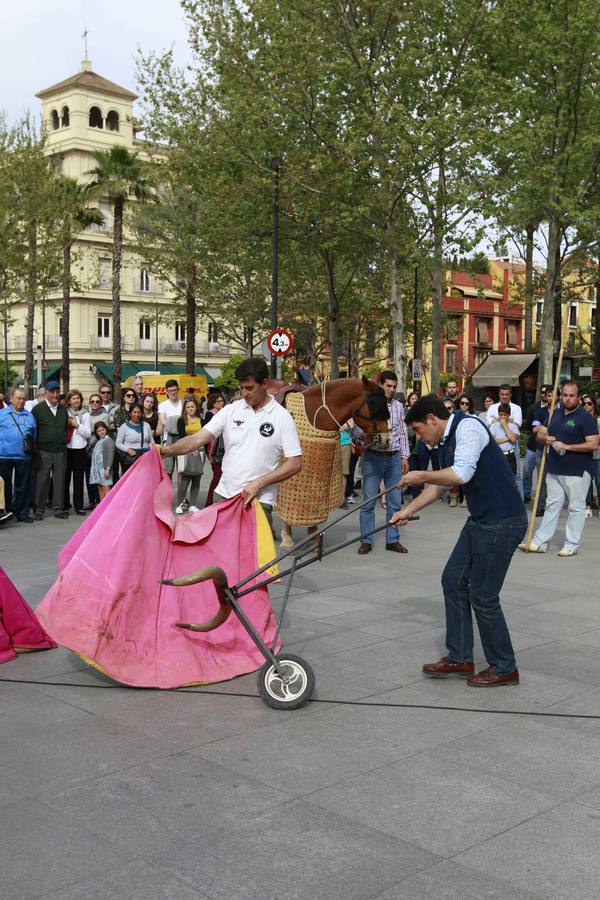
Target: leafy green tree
(11,247)
(76,215)
(227,381)
(120,176)
(37,228)
(8,375)
(546,155)
(168,236)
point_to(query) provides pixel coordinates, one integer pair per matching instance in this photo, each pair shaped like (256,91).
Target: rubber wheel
(293,690)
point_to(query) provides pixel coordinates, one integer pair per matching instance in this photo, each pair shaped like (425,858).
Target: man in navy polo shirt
(474,574)
(571,437)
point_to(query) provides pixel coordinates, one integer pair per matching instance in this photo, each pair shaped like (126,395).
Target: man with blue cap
(50,460)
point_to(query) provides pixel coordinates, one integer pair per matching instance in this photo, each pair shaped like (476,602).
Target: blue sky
(41,43)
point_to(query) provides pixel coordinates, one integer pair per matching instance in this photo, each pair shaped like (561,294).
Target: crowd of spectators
(55,448)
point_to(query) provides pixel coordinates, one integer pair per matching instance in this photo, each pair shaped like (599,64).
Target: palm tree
(76,215)
(119,176)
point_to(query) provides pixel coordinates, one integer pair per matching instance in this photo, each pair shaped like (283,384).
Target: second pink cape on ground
(109,607)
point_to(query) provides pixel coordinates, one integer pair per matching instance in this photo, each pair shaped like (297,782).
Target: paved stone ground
(123,794)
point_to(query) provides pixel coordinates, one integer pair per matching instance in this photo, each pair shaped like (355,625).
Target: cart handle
(219,579)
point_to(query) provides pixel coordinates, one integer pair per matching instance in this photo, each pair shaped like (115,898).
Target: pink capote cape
(108,606)
(20,631)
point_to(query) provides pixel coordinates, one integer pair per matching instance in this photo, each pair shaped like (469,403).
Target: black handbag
(28,442)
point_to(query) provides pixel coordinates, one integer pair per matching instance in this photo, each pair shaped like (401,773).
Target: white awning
(502,368)
(213,371)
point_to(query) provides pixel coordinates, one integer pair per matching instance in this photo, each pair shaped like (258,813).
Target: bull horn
(219,579)
(215,573)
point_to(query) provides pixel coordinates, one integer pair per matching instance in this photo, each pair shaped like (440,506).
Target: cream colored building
(83,114)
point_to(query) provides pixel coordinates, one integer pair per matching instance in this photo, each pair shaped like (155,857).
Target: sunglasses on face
(105,392)
(587,403)
(464,402)
(94,401)
(129,395)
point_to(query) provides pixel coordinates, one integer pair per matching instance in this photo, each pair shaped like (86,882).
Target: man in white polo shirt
(257,432)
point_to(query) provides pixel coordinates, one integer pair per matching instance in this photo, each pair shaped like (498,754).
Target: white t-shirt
(516,414)
(498,432)
(254,444)
(170,409)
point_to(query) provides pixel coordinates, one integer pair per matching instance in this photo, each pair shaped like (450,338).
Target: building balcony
(140,345)
(154,289)
(144,344)
(203,348)
(105,343)
(173,346)
(213,348)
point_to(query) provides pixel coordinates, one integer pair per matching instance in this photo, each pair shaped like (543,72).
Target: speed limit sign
(280,342)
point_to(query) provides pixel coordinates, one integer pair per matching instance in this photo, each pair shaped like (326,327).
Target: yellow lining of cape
(265,545)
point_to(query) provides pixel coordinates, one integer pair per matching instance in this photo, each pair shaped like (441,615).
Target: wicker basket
(307,498)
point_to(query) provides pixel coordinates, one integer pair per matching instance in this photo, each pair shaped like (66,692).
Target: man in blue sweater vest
(475,571)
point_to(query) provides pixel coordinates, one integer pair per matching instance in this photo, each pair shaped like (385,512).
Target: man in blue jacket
(475,571)
(15,462)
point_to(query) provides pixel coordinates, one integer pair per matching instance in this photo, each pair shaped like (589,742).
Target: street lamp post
(5,329)
(416,385)
(156,338)
(276,166)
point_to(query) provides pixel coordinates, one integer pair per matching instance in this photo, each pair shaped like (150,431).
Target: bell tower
(83,113)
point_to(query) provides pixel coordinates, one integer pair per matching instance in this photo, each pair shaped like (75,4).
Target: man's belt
(383,452)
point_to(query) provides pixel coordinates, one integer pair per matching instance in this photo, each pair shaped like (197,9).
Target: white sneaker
(531,548)
(193,509)
(567,551)
(588,513)
(179,511)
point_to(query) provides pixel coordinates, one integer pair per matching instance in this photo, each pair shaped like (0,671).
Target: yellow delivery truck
(155,382)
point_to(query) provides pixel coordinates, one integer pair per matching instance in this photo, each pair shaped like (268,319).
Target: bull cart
(285,681)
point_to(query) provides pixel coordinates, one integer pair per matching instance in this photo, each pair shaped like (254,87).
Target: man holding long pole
(475,571)
(571,438)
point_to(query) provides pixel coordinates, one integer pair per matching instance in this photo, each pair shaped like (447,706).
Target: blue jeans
(18,499)
(595,480)
(375,467)
(533,459)
(471,581)
(518,478)
(528,470)
(424,455)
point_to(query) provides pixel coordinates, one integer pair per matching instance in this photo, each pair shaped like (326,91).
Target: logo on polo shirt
(570,423)
(266,429)
(238,422)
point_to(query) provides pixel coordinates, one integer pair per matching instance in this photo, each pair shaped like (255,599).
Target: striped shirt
(399,432)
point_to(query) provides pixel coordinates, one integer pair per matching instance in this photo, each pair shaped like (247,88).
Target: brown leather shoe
(488,678)
(396,547)
(444,667)
(363,549)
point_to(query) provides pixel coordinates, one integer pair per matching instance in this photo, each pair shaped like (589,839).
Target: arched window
(112,120)
(54,119)
(64,117)
(96,117)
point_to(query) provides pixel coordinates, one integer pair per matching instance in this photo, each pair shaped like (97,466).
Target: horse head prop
(374,420)
(332,403)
